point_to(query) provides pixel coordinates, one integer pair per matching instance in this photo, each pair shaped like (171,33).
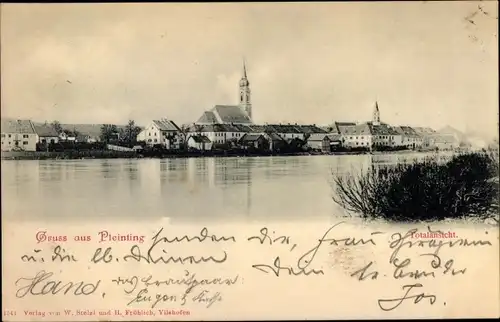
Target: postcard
(249,161)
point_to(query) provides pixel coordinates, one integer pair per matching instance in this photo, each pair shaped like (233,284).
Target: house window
(156,140)
(155,133)
(149,134)
(25,142)
(149,140)
(25,136)
(10,135)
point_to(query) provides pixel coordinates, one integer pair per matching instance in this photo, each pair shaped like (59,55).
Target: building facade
(18,135)
(46,134)
(164,132)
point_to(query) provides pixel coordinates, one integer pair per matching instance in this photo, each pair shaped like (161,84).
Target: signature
(43,284)
(143,296)
(397,301)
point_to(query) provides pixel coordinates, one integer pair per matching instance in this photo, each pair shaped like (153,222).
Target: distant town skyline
(424,63)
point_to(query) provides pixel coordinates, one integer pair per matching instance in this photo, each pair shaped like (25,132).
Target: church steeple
(245,102)
(376,114)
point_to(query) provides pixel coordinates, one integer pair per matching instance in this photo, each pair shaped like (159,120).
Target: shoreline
(109,154)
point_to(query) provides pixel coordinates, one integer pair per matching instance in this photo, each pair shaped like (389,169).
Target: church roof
(217,127)
(231,114)
(207,118)
(225,114)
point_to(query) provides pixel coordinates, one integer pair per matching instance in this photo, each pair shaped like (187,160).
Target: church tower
(245,102)
(376,115)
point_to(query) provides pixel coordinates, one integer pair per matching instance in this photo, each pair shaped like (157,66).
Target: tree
(57,126)
(129,134)
(108,132)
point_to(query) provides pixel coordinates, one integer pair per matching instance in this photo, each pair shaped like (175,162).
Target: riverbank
(109,154)
(93,154)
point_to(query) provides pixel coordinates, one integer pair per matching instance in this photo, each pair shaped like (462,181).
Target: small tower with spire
(245,101)
(376,115)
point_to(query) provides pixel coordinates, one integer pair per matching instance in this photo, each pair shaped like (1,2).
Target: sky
(310,63)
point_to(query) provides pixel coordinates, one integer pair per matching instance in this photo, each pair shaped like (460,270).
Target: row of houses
(206,136)
(25,135)
(347,134)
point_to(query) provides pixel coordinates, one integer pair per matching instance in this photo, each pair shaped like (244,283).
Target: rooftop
(166,125)
(200,139)
(17,126)
(45,130)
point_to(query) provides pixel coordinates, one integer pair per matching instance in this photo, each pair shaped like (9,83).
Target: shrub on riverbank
(466,185)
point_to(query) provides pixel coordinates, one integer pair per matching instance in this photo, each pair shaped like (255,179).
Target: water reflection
(185,190)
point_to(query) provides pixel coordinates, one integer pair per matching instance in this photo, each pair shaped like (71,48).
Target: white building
(356,136)
(426,134)
(323,142)
(164,132)
(199,142)
(46,134)
(409,137)
(67,135)
(219,133)
(384,135)
(18,135)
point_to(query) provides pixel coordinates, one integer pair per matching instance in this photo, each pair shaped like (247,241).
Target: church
(232,114)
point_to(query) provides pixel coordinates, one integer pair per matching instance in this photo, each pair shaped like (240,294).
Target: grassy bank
(465,185)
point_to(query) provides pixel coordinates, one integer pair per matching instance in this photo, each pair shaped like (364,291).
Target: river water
(183,190)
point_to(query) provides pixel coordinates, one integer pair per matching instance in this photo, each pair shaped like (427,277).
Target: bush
(467,185)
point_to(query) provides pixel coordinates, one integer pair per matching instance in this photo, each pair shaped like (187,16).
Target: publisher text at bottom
(121,312)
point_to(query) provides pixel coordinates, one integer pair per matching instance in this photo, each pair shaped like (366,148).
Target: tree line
(109,133)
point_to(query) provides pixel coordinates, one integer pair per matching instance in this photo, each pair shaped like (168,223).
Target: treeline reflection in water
(201,189)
